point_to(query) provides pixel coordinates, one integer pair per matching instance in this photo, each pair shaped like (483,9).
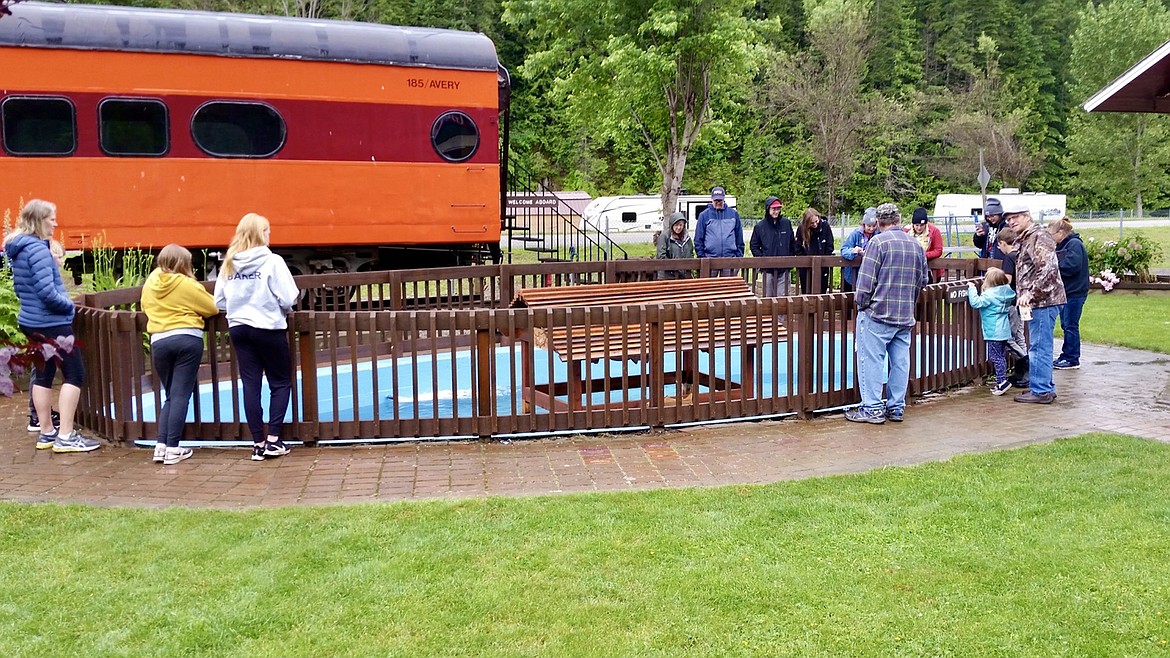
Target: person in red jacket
(929,237)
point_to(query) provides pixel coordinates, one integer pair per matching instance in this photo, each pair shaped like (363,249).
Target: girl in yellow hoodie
(176,306)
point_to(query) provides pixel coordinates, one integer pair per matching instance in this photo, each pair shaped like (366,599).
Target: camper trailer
(642,213)
(970,206)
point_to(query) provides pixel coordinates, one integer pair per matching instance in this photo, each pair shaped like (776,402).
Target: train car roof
(95,27)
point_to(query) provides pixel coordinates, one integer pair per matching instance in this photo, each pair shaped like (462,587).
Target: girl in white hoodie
(257,292)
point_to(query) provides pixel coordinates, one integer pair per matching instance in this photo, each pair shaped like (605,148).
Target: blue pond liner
(436,398)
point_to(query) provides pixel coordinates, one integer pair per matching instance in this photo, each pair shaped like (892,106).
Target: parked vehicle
(642,213)
(969,207)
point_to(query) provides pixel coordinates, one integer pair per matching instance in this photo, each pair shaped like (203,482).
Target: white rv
(642,213)
(969,207)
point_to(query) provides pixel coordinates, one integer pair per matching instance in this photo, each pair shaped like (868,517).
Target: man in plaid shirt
(892,274)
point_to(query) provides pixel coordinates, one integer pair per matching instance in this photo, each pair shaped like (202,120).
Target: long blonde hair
(32,220)
(994,278)
(249,234)
(176,259)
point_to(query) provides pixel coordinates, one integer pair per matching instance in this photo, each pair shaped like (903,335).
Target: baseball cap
(1015,206)
(717,193)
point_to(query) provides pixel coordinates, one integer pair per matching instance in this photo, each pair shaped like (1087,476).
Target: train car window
(133,127)
(455,136)
(38,125)
(238,130)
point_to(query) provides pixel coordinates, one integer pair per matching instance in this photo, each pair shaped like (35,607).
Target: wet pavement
(1116,390)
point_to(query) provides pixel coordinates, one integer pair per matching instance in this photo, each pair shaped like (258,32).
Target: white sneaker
(176,455)
(160,452)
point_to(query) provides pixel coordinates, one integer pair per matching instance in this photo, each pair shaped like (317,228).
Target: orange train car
(367,146)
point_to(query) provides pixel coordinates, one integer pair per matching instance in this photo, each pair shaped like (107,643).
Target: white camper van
(642,213)
(969,207)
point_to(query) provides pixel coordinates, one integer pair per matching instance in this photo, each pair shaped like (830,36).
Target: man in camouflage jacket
(1039,294)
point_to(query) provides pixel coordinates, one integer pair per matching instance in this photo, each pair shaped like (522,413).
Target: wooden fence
(438,353)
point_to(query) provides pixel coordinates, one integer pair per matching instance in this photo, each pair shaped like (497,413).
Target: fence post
(307,349)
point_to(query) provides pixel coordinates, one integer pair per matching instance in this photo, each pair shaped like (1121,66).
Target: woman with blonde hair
(176,306)
(257,292)
(46,314)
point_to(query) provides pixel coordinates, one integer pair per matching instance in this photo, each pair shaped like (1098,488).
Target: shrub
(1130,256)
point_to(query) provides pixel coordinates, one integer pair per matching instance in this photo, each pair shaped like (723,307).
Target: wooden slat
(596,342)
(636,293)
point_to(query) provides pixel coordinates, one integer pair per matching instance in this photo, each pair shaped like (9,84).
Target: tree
(1118,156)
(981,122)
(821,88)
(641,67)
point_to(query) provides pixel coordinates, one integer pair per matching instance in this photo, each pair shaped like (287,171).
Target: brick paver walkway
(1118,390)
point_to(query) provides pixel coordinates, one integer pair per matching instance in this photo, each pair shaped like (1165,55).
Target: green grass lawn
(1140,320)
(977,556)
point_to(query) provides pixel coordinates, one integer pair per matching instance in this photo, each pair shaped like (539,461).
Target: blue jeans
(1070,324)
(876,343)
(1040,340)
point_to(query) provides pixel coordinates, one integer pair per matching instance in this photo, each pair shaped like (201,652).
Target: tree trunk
(672,174)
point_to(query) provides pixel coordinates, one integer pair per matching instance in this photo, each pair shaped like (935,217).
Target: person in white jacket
(257,292)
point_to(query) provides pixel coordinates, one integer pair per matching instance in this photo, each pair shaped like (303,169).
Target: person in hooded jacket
(719,232)
(853,248)
(816,239)
(676,243)
(46,314)
(257,292)
(176,306)
(1074,272)
(993,305)
(773,236)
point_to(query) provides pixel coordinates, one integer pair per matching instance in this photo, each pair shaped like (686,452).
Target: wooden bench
(577,345)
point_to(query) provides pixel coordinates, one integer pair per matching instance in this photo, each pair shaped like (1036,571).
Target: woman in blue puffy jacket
(46,314)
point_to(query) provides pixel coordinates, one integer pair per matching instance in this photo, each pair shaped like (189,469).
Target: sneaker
(1001,388)
(176,455)
(1065,364)
(75,442)
(34,423)
(859,415)
(275,448)
(257,453)
(160,452)
(1043,398)
(894,416)
(45,441)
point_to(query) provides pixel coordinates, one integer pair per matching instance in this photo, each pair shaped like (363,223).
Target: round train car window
(238,130)
(455,136)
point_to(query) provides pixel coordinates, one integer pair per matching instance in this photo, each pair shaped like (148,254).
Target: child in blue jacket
(993,305)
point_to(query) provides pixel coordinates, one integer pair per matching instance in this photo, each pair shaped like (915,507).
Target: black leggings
(72,367)
(263,353)
(176,362)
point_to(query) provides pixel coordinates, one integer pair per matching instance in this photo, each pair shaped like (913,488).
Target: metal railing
(549,227)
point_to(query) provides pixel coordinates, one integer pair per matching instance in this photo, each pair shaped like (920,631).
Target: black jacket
(986,244)
(820,240)
(773,238)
